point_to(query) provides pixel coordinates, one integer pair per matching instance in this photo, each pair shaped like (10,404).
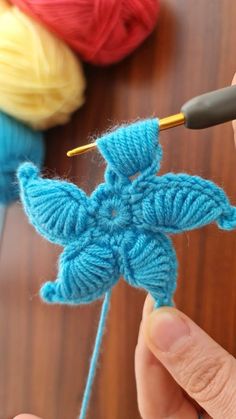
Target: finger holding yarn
(101,31)
(128,220)
(18,143)
(41,80)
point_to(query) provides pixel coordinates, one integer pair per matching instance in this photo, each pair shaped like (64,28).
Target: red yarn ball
(102,31)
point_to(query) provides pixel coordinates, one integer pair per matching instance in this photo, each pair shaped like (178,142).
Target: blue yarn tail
(95,355)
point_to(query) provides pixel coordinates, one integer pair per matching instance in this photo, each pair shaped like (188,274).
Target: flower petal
(87,269)
(57,209)
(176,203)
(149,262)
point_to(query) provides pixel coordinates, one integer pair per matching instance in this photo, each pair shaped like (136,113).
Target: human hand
(180,370)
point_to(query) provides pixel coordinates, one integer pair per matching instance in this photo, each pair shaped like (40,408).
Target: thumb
(197,363)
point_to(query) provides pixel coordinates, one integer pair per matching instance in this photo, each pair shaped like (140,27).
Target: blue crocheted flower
(122,228)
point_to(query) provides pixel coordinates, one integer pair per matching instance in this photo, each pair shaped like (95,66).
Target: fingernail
(168,330)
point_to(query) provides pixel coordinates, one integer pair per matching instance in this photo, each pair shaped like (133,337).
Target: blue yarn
(123,227)
(18,143)
(94,359)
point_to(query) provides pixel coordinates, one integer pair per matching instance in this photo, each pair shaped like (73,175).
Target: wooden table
(45,350)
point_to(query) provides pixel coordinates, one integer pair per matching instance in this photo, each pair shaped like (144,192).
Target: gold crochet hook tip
(80,150)
(165,123)
(171,121)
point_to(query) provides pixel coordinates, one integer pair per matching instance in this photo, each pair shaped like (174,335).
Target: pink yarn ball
(102,31)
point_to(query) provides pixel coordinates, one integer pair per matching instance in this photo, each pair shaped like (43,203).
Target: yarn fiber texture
(101,31)
(18,143)
(41,80)
(123,227)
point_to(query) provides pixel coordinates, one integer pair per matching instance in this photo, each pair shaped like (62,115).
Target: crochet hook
(203,111)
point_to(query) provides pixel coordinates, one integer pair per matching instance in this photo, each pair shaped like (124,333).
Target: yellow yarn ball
(41,80)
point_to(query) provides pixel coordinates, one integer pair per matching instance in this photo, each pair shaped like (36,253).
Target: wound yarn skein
(41,80)
(101,31)
(18,143)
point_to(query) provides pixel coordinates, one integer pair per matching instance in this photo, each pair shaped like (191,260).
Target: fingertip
(148,306)
(154,312)
(164,326)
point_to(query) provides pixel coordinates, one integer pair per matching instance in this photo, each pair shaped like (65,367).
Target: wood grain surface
(45,350)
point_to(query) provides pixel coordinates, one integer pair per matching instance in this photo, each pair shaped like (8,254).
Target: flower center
(113,214)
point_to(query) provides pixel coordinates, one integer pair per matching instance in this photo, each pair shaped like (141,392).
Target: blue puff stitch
(123,227)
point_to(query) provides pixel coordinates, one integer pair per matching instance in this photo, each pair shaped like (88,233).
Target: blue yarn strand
(95,355)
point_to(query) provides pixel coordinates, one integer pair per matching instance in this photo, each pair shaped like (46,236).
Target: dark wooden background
(45,350)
